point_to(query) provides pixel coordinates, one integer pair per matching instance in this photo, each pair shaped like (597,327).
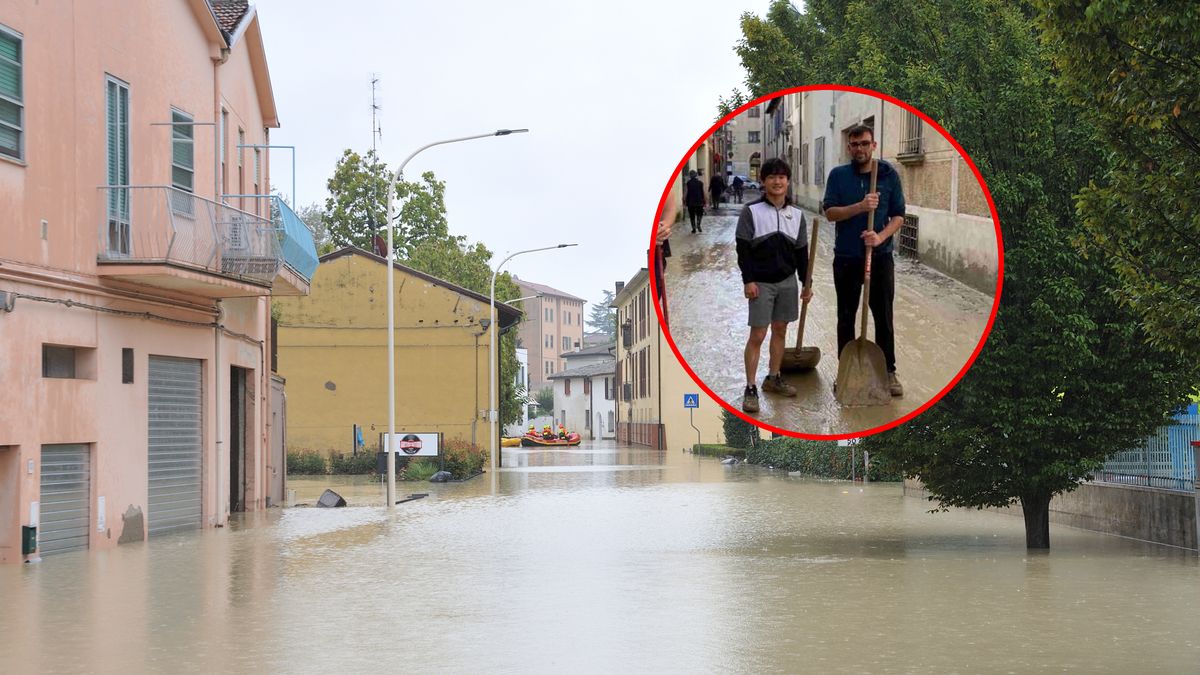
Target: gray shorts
(775,302)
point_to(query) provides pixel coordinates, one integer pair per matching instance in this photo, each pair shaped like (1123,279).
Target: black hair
(859,130)
(774,166)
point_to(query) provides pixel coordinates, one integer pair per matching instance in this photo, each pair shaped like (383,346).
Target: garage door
(66,494)
(174,465)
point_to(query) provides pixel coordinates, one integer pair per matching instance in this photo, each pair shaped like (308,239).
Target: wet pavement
(938,324)
(604,558)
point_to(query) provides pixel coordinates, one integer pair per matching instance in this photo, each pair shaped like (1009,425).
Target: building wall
(537,328)
(333,351)
(51,242)
(660,402)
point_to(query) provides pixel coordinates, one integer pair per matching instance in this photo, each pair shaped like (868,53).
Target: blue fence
(296,241)
(1164,461)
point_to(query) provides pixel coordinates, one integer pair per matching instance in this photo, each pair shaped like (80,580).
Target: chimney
(620,285)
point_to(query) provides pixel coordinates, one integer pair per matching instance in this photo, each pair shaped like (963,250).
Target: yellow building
(333,352)
(651,383)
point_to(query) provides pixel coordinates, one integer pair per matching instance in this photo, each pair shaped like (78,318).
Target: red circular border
(999,249)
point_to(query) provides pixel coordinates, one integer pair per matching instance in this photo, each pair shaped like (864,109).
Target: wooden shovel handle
(862,331)
(812,260)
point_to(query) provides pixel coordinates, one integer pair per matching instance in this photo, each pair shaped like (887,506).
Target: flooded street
(938,323)
(601,558)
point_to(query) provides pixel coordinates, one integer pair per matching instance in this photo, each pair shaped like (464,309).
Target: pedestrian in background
(693,198)
(772,254)
(848,200)
(716,189)
(738,186)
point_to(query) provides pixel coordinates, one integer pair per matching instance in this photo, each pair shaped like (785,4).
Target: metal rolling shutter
(174,447)
(66,495)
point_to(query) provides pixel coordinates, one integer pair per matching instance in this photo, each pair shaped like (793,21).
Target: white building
(585,399)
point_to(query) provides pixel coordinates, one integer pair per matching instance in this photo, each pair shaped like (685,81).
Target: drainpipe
(216,472)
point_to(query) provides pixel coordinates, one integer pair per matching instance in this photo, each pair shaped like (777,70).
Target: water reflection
(603,557)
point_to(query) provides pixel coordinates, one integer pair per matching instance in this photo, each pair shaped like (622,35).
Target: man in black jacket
(693,198)
(772,252)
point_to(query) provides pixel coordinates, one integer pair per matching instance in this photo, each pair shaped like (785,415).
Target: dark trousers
(695,213)
(848,281)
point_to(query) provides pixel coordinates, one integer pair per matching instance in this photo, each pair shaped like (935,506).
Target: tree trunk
(1037,520)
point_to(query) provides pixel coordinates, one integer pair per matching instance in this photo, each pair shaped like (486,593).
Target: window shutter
(10,66)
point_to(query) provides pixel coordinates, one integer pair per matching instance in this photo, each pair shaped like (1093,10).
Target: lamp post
(493,411)
(391,309)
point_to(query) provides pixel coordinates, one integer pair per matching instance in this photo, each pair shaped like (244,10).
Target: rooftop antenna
(376,132)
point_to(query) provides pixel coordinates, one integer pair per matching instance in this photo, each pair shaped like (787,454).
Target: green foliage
(712,450)
(348,464)
(463,460)
(420,469)
(545,401)
(305,463)
(1066,378)
(356,209)
(601,317)
(738,433)
(817,458)
(1131,69)
(727,105)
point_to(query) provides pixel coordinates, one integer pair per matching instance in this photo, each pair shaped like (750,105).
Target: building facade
(135,291)
(333,350)
(553,324)
(651,383)
(585,393)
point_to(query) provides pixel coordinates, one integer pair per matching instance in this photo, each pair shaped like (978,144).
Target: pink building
(135,289)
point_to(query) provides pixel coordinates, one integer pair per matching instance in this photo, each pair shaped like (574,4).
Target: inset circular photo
(828,262)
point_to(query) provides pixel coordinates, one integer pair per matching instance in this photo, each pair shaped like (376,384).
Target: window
(566,342)
(567,387)
(117,131)
(755,112)
(610,419)
(551,367)
(567,318)
(58,361)
(587,417)
(587,386)
(183,152)
(549,342)
(819,161)
(224,149)
(547,367)
(12,107)
(911,143)
(241,187)
(753,137)
(257,178)
(804,163)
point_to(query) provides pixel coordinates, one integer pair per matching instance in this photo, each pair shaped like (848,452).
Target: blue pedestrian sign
(691,400)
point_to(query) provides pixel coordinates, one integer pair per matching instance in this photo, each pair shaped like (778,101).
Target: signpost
(691,402)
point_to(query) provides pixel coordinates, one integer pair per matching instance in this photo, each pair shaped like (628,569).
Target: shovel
(862,370)
(800,357)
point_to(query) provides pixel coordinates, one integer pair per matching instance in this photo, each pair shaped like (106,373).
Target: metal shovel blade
(862,375)
(804,358)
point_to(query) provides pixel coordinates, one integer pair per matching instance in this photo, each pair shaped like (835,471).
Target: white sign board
(408,444)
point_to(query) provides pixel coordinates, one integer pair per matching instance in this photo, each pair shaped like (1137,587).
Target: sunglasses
(861,144)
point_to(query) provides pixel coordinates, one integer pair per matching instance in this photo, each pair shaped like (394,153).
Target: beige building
(651,384)
(333,348)
(553,325)
(747,151)
(134,300)
(948,224)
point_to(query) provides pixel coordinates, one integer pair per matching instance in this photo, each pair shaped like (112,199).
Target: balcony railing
(165,225)
(296,240)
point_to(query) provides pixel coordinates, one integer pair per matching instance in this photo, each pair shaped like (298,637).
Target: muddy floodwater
(938,323)
(603,559)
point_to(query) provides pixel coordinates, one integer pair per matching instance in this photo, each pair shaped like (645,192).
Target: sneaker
(750,399)
(775,385)
(894,385)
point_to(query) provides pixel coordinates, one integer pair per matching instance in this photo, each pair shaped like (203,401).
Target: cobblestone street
(938,323)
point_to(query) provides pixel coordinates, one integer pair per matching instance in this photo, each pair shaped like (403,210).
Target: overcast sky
(614,93)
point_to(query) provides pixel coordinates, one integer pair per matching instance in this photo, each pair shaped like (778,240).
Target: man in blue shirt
(848,201)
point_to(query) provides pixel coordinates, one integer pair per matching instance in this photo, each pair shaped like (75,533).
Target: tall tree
(1065,378)
(356,209)
(727,105)
(1133,72)
(602,318)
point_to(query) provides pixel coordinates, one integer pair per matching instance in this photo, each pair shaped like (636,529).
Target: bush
(305,463)
(817,458)
(738,432)
(707,450)
(420,469)
(463,460)
(348,464)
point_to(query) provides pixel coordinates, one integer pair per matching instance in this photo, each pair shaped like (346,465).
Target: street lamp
(391,293)
(493,411)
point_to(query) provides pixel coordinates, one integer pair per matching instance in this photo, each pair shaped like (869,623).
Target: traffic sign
(691,400)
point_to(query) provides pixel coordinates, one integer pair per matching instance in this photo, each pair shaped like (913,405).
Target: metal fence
(1165,460)
(159,224)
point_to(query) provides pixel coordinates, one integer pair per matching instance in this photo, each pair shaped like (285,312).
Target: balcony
(171,239)
(296,242)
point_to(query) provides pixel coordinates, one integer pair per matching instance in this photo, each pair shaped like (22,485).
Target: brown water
(602,559)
